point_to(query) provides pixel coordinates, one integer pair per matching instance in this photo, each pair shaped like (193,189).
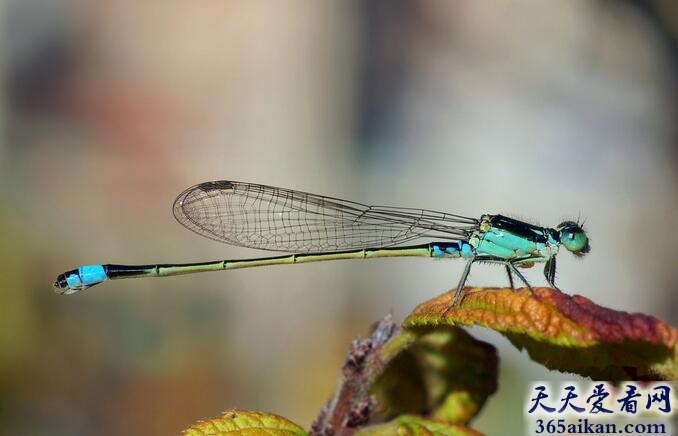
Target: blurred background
(541,111)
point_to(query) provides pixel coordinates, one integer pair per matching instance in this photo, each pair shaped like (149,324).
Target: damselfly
(318,228)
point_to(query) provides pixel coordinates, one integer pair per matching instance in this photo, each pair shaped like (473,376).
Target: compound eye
(574,238)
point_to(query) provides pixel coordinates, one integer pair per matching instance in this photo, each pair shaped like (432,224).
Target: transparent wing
(277,219)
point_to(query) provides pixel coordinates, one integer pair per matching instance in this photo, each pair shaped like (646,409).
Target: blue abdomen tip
(85,276)
(92,274)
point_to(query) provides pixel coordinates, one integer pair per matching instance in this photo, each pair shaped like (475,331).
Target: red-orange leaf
(566,333)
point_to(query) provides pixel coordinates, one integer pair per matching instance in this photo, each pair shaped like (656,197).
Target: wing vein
(278,219)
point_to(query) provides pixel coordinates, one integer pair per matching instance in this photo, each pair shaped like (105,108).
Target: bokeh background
(540,110)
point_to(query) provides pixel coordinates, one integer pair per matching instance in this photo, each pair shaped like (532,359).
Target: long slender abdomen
(86,276)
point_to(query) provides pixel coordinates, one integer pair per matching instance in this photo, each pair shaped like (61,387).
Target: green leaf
(443,373)
(245,423)
(565,333)
(407,425)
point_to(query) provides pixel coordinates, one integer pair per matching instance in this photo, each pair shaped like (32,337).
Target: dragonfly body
(514,240)
(326,228)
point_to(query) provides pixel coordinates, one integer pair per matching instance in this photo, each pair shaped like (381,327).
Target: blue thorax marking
(509,239)
(518,228)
